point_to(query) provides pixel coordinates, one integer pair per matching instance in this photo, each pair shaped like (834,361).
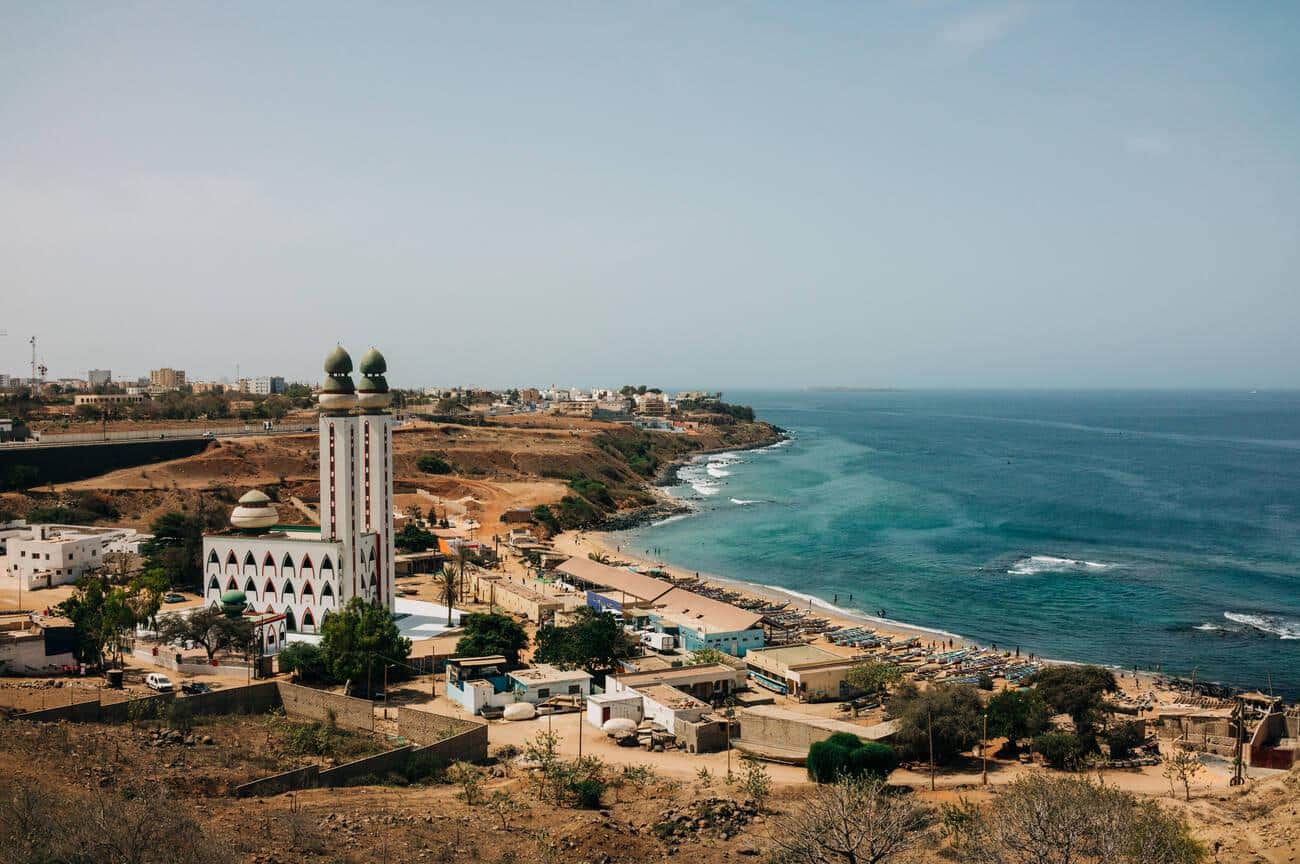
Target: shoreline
(580,543)
(608,541)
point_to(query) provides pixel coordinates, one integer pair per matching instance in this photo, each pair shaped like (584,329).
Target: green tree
(102,617)
(413,538)
(1060,749)
(874,676)
(1123,738)
(447,581)
(358,640)
(1016,714)
(432,463)
(1078,691)
(176,548)
(210,628)
(594,642)
(952,712)
(304,660)
(484,635)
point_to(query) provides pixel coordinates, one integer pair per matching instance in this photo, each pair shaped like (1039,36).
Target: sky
(697,194)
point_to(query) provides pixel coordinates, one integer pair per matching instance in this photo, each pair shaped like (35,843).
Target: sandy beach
(583,543)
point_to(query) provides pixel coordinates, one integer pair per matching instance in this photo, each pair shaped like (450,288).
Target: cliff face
(604,468)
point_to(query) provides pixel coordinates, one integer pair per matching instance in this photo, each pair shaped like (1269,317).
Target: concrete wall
(706,736)
(425,727)
(287,781)
(306,703)
(63,464)
(780,729)
(468,746)
(255,699)
(377,765)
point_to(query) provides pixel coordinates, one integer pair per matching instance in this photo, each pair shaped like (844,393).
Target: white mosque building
(294,576)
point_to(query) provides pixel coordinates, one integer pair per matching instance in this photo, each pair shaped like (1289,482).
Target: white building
(42,556)
(306,573)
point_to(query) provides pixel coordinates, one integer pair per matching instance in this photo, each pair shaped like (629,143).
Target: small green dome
(373,363)
(338,362)
(233,603)
(338,384)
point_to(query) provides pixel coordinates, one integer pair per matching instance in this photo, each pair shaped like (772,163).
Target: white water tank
(519,711)
(618,724)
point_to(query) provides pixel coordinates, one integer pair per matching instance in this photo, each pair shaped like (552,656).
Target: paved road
(82,438)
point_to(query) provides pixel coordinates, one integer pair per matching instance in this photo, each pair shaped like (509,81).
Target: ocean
(1148,529)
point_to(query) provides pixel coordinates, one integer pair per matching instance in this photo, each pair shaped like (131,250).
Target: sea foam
(1276,625)
(1051,564)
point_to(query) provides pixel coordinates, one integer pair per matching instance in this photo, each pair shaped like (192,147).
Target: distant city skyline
(915,195)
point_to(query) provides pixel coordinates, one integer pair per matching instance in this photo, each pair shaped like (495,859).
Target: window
(268,588)
(307,592)
(287,590)
(214,585)
(543,692)
(287,562)
(230,584)
(575,688)
(249,587)
(268,561)
(230,559)
(212,557)
(307,619)
(325,564)
(327,591)
(248,560)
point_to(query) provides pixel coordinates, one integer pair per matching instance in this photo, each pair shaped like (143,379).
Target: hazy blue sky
(906,194)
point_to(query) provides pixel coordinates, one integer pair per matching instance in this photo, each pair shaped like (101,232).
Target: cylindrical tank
(520,711)
(618,724)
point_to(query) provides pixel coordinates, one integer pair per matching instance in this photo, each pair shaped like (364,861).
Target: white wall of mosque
(300,578)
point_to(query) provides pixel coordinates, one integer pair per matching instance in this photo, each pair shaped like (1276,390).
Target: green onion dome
(373,363)
(338,362)
(337,393)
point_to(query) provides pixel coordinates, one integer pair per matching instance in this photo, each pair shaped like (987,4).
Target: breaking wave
(1276,625)
(1051,564)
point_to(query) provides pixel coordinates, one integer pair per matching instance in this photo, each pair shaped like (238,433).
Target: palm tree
(449,582)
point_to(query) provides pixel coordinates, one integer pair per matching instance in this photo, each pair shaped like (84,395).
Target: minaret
(338,495)
(375,490)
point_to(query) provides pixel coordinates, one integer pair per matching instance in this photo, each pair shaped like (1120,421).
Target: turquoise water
(1123,528)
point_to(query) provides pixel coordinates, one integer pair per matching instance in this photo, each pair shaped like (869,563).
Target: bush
(1123,738)
(873,759)
(1060,750)
(586,793)
(845,755)
(431,463)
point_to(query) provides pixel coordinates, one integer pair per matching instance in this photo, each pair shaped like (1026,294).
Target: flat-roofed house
(708,682)
(805,672)
(542,681)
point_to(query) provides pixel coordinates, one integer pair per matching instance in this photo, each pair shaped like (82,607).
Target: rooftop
(617,580)
(795,655)
(671,697)
(704,671)
(680,606)
(545,673)
(871,733)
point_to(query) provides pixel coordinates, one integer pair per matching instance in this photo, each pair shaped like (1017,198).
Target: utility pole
(929,730)
(1239,718)
(984,750)
(35,389)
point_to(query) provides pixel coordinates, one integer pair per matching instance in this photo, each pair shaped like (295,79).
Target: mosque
(293,576)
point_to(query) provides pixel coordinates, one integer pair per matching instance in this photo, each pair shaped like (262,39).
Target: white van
(158,681)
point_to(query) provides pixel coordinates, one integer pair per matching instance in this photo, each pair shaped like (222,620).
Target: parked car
(158,681)
(195,687)
(173,597)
